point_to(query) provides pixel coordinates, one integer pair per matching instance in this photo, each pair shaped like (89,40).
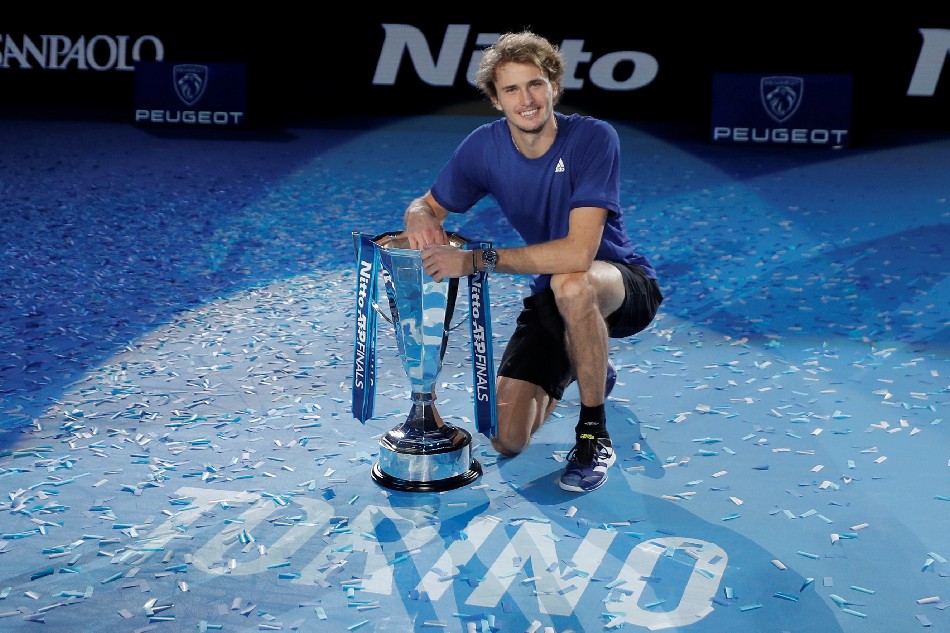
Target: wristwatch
(489,259)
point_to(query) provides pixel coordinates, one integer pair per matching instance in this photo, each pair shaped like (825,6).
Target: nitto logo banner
(200,95)
(440,66)
(751,108)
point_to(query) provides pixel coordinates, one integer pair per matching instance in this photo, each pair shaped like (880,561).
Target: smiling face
(525,95)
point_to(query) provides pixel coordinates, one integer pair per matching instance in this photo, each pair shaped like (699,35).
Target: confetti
(176,389)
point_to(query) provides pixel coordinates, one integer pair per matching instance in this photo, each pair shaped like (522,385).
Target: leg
(533,373)
(522,409)
(536,366)
(584,300)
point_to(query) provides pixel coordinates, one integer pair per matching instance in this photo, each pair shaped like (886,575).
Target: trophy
(425,453)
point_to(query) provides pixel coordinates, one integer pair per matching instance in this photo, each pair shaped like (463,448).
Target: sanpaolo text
(61,52)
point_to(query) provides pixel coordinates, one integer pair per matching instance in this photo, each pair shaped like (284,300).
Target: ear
(495,103)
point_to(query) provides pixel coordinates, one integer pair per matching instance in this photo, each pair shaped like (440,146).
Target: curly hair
(524,47)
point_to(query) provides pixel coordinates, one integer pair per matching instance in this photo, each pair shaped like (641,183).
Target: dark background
(303,68)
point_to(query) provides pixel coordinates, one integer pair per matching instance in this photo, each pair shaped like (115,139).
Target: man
(556,178)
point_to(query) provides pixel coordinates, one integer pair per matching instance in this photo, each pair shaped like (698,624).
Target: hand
(423,228)
(444,262)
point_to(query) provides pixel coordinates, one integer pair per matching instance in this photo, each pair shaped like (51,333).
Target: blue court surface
(178,452)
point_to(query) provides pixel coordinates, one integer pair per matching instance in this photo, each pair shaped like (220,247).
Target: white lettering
(61,45)
(535,541)
(934,51)
(359,362)
(796,136)
(214,554)
(76,54)
(693,604)
(377,574)
(366,268)
(458,553)
(476,307)
(204,500)
(645,69)
(111,48)
(481,40)
(403,38)
(480,344)
(574,54)
(157,48)
(558,592)
(191,117)
(21,54)
(59,52)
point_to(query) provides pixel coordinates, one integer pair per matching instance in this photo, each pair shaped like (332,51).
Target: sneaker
(587,464)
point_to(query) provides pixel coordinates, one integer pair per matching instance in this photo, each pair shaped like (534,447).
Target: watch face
(489,259)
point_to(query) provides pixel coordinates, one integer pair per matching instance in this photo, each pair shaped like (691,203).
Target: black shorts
(536,351)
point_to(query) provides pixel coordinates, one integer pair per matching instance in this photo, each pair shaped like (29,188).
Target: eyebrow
(535,80)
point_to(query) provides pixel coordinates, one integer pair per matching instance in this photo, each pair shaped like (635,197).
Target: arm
(423,220)
(574,252)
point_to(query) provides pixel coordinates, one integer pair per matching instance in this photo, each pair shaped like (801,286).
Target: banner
(770,109)
(191,95)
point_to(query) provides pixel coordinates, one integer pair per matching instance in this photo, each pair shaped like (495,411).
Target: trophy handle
(398,239)
(380,312)
(452,328)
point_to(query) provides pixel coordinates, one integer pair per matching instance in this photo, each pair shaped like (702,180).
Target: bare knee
(511,438)
(507,447)
(572,292)
(522,409)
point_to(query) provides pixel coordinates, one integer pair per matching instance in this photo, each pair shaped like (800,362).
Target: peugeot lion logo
(781,96)
(190,82)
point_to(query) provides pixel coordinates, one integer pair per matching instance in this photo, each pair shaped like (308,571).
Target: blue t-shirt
(581,169)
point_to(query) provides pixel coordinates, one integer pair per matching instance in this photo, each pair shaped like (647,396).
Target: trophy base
(425,454)
(437,485)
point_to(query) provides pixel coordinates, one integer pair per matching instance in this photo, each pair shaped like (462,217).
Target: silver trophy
(425,453)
